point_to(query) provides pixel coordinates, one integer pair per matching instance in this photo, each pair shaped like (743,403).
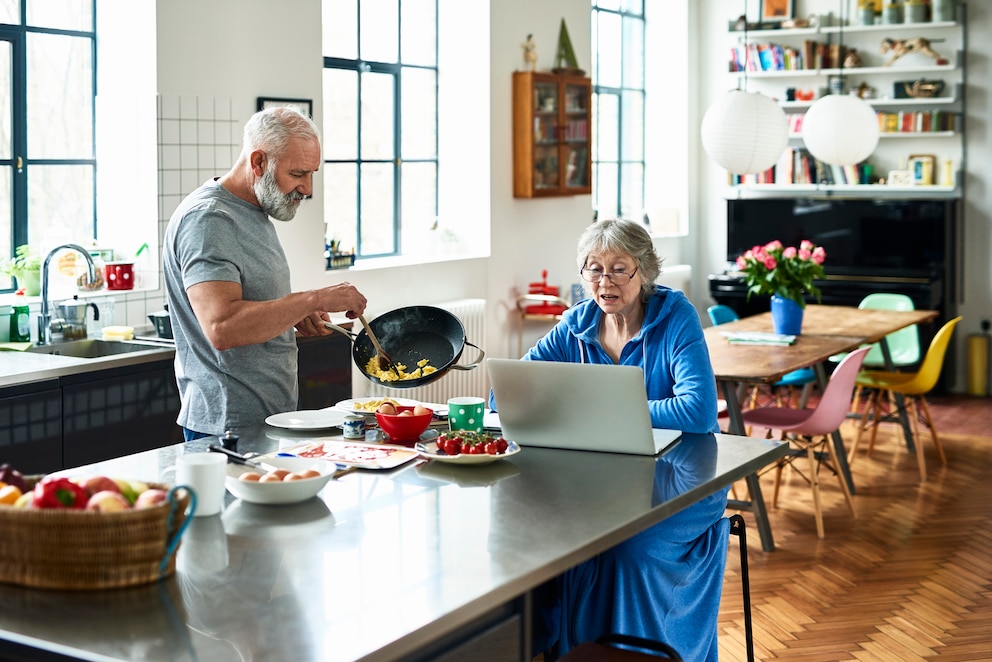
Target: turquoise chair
(904,344)
(804,377)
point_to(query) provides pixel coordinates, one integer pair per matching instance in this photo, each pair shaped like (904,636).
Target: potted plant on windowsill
(786,273)
(26,268)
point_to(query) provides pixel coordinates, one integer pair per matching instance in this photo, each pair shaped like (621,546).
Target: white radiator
(676,276)
(454,383)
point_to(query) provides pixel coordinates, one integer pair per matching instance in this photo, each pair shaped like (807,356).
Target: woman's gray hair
(621,236)
(270,130)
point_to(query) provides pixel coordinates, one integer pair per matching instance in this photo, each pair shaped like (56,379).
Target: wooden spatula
(385,363)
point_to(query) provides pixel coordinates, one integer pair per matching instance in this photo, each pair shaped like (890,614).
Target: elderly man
(228,283)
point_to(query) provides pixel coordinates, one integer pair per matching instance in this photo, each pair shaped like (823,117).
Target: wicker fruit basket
(86,550)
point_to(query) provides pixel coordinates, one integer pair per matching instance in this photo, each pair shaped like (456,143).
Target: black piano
(873,245)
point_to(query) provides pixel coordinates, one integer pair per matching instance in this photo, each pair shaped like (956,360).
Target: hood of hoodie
(582,319)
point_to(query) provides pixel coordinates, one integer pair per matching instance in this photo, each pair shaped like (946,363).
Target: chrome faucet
(45,318)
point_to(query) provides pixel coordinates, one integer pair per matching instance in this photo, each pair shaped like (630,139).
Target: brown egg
(387,408)
(249,477)
(271,477)
(405,413)
(420,410)
(292,476)
(310,473)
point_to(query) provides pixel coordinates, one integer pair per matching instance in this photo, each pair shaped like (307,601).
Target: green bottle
(20,325)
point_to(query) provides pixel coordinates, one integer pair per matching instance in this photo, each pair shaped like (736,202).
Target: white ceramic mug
(204,474)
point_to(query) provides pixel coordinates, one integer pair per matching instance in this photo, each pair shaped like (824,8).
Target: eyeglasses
(619,278)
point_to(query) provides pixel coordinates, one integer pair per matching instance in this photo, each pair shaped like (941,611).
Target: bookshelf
(552,127)
(797,66)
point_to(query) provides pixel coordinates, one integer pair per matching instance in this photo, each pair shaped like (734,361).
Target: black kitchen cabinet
(120,411)
(31,427)
(324,370)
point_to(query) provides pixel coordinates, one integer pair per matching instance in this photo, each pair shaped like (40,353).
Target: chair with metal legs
(913,388)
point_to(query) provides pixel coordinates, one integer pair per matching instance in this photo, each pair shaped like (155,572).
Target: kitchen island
(421,562)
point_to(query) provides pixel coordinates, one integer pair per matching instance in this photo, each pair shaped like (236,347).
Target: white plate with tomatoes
(467,448)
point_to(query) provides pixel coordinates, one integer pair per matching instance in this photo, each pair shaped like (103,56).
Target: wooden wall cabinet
(552,126)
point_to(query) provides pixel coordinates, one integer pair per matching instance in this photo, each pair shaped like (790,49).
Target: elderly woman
(663,584)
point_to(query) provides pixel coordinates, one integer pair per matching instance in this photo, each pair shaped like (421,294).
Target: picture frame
(776,11)
(303,105)
(922,166)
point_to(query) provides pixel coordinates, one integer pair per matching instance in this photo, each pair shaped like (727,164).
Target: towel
(14,346)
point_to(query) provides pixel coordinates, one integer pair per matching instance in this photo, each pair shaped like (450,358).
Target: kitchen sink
(93,348)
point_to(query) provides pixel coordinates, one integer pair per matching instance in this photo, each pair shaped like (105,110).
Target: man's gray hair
(270,130)
(622,236)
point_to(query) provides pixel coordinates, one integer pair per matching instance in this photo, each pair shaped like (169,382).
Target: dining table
(827,330)
(424,560)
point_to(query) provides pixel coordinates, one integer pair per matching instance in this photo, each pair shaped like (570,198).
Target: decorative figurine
(899,48)
(853,60)
(530,53)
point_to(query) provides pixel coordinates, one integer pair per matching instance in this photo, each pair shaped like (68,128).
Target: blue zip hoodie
(669,348)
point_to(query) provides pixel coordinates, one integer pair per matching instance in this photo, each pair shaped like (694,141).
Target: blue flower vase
(787,316)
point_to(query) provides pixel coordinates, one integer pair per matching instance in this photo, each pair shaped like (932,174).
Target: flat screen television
(882,238)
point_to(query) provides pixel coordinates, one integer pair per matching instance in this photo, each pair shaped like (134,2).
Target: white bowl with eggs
(293,480)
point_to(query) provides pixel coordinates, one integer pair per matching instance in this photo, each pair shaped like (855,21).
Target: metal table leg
(757,504)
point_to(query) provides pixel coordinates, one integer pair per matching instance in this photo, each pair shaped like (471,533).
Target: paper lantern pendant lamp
(745,132)
(840,129)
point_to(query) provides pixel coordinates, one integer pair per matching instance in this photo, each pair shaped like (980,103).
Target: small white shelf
(881,103)
(847,71)
(847,29)
(840,191)
(915,134)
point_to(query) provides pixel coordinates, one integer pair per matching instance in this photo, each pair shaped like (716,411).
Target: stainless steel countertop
(381,563)
(25,367)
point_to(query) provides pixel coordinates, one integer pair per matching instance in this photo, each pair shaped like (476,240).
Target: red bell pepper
(59,493)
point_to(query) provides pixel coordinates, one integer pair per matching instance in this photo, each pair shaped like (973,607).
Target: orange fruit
(9,494)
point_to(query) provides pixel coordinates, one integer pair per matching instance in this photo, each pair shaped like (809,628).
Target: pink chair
(810,429)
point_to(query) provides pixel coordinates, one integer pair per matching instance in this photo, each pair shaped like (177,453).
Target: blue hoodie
(670,348)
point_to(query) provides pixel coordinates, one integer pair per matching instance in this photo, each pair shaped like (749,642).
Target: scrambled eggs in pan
(422,370)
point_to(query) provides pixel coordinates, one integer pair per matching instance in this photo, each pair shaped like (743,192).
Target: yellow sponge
(118,333)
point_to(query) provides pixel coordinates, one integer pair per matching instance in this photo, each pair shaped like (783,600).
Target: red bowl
(404,428)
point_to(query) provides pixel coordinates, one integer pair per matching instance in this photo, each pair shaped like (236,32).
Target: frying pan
(410,335)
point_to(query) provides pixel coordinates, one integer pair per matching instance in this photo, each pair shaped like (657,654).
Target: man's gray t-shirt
(216,236)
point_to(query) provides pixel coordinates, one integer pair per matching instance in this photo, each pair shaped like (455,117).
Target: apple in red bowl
(407,424)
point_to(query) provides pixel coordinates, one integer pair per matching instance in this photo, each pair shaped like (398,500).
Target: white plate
(307,419)
(285,492)
(429,450)
(349,404)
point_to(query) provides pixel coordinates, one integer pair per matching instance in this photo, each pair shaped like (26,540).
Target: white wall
(247,48)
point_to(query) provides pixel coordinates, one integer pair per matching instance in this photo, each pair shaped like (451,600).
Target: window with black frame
(380,124)
(618,76)
(47,144)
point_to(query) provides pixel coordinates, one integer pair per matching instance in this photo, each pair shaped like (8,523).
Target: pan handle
(339,329)
(470,366)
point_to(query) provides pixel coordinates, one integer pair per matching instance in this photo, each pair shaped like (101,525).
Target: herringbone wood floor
(909,579)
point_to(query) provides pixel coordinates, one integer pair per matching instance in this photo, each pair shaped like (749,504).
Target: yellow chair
(913,387)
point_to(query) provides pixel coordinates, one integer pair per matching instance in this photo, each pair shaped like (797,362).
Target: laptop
(576,406)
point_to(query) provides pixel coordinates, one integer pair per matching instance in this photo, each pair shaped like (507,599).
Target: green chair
(904,344)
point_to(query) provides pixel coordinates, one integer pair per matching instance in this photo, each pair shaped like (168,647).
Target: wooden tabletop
(768,363)
(868,323)
(827,330)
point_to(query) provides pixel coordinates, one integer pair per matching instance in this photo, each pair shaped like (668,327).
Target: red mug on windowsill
(119,275)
